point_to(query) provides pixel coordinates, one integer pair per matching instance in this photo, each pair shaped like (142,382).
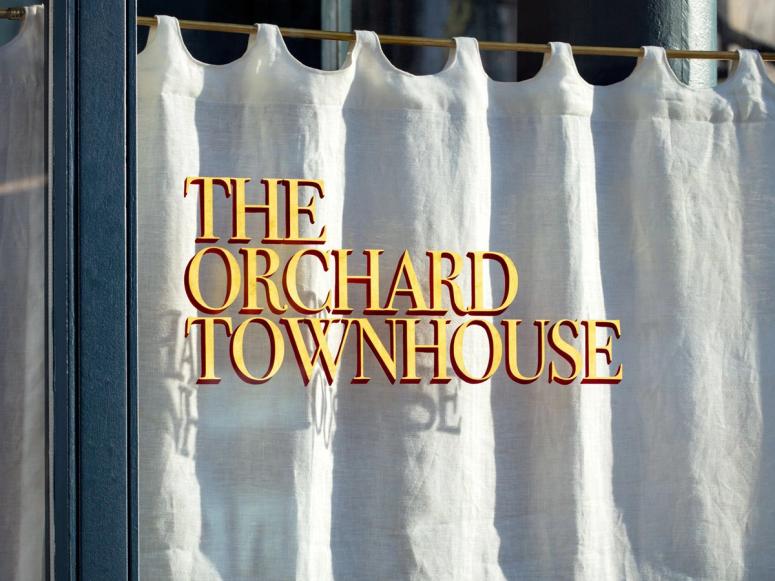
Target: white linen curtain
(22,302)
(645,201)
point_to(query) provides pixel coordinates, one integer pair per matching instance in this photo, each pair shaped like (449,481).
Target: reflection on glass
(22,299)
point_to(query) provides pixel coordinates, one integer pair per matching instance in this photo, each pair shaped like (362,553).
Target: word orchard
(268,296)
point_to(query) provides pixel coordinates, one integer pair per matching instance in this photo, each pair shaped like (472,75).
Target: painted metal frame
(92,290)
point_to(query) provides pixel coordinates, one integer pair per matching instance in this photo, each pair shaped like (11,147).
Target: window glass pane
(236,481)
(482,19)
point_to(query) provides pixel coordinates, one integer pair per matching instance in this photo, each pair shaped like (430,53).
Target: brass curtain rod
(12,13)
(18,14)
(448,43)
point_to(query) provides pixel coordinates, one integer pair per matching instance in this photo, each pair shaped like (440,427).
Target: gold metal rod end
(12,13)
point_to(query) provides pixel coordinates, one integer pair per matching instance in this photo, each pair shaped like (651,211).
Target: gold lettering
(207,344)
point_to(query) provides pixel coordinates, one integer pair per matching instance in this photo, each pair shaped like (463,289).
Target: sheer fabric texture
(22,303)
(646,201)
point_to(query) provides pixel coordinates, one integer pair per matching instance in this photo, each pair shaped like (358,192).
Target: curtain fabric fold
(22,302)
(645,201)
